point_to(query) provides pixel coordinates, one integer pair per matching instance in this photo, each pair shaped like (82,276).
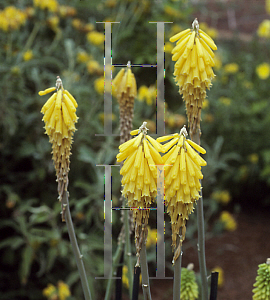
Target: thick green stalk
(75,247)
(128,257)
(145,275)
(201,236)
(177,274)
(116,260)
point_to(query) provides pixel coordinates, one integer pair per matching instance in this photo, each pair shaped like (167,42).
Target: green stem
(75,247)
(201,248)
(177,275)
(128,250)
(201,236)
(116,260)
(145,275)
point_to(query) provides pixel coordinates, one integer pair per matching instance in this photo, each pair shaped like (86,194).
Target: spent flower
(125,88)
(193,69)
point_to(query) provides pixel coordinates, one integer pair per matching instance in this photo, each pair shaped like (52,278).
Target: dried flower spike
(182,172)
(60,118)
(141,157)
(193,69)
(126,90)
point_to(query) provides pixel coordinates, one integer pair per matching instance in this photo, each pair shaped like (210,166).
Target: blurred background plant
(43,39)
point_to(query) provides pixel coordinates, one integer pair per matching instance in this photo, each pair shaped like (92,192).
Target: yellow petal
(128,163)
(66,116)
(139,182)
(129,78)
(168,145)
(134,132)
(197,147)
(123,155)
(58,99)
(155,144)
(141,169)
(190,150)
(69,103)
(191,40)
(183,160)
(139,157)
(155,155)
(133,174)
(65,130)
(42,93)
(207,39)
(190,166)
(137,140)
(59,126)
(172,158)
(194,58)
(123,147)
(181,44)
(146,149)
(48,113)
(147,179)
(186,67)
(166,137)
(207,48)
(199,48)
(71,98)
(153,186)
(118,78)
(180,35)
(48,103)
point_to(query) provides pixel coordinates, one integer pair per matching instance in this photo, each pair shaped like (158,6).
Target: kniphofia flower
(182,172)
(60,118)
(261,289)
(126,90)
(193,69)
(141,157)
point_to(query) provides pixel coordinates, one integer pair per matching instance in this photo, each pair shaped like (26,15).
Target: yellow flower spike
(139,171)
(182,179)
(60,118)
(193,70)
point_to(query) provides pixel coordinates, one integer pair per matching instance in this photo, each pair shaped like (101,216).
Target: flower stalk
(60,118)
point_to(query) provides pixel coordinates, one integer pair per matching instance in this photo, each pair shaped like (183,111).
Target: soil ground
(238,253)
